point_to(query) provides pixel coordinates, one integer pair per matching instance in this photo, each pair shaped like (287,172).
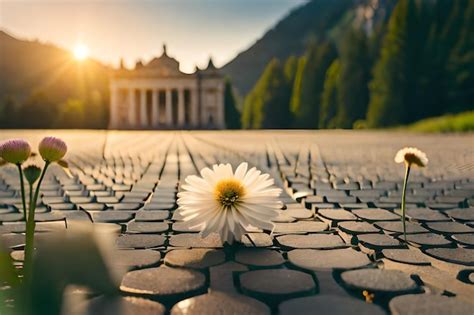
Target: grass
(462,122)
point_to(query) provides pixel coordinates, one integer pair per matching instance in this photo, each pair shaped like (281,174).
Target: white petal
(240,171)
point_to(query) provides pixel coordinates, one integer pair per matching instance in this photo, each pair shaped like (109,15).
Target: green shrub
(462,122)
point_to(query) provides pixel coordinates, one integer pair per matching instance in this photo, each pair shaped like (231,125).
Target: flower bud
(15,151)
(32,173)
(52,149)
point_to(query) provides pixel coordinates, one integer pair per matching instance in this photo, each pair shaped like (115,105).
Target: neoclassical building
(159,96)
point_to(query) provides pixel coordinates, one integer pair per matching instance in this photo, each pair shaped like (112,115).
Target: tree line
(40,110)
(419,64)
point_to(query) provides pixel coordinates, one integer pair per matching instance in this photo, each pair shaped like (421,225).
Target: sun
(81,52)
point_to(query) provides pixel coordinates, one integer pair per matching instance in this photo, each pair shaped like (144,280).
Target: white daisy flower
(411,156)
(228,203)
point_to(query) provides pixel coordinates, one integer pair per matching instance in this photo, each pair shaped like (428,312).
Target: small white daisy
(411,156)
(228,203)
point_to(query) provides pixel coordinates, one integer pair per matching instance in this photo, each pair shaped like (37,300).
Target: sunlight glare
(81,52)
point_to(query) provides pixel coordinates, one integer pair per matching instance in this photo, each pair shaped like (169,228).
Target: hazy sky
(132,29)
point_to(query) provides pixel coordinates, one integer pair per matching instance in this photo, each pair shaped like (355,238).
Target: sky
(193,30)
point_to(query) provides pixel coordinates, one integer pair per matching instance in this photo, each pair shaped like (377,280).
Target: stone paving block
(424,215)
(11,217)
(197,258)
(151,215)
(425,304)
(92,206)
(259,257)
(257,240)
(147,227)
(407,256)
(160,206)
(184,227)
(315,241)
(300,227)
(461,256)
(449,227)
(216,302)
(195,241)
(111,216)
(373,215)
(276,285)
(427,240)
(353,227)
(466,214)
(379,281)
(126,206)
(165,284)
(337,215)
(222,277)
(397,227)
(283,217)
(328,305)
(140,241)
(312,259)
(124,306)
(136,258)
(464,239)
(378,241)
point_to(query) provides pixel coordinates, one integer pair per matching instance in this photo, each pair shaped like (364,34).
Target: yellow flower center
(411,158)
(228,192)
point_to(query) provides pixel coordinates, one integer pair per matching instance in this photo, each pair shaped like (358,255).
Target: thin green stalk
(22,184)
(405,181)
(30,228)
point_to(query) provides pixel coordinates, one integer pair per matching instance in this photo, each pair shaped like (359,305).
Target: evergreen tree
(353,94)
(297,85)
(394,82)
(37,112)
(291,66)
(232,115)
(267,105)
(460,63)
(71,114)
(306,100)
(329,97)
(442,22)
(8,113)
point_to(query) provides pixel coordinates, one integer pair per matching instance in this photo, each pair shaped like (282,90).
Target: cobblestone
(341,212)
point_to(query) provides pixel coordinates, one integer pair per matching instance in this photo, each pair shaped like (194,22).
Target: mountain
(28,68)
(314,20)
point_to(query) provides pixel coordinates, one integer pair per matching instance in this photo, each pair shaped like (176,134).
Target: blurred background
(286,63)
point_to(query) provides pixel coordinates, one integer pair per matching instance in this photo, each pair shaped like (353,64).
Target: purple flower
(15,151)
(52,149)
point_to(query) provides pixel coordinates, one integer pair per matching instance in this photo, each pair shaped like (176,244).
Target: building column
(143,111)
(194,108)
(154,111)
(220,121)
(113,107)
(132,119)
(169,109)
(180,107)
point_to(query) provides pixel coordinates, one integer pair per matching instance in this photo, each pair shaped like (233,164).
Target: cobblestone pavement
(336,243)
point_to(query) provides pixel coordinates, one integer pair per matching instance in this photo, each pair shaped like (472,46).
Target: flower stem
(30,228)
(405,182)
(22,184)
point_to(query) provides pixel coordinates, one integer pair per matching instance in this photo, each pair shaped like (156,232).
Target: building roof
(164,66)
